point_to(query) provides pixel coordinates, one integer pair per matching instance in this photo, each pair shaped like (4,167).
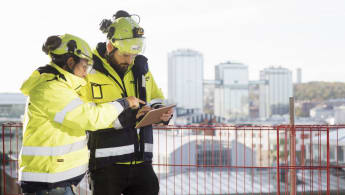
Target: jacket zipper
(124,86)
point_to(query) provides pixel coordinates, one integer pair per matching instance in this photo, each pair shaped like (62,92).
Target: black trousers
(135,179)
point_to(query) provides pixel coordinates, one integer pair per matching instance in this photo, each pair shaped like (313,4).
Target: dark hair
(52,43)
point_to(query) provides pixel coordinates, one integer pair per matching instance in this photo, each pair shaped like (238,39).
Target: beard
(119,68)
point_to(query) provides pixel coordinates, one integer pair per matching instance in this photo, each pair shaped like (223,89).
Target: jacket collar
(71,80)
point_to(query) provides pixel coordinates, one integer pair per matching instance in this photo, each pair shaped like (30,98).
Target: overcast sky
(307,34)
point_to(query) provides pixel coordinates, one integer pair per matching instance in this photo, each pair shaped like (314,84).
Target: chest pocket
(102,93)
(96,90)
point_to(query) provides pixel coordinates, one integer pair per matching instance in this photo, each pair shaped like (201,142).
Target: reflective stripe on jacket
(54,140)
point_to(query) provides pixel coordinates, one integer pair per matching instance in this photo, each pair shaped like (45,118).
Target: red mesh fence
(226,159)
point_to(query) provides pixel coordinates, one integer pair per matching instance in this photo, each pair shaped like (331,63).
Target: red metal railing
(227,159)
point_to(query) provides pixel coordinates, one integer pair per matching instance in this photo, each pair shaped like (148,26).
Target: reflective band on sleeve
(117,105)
(148,147)
(52,177)
(115,151)
(155,101)
(59,117)
(117,124)
(143,80)
(53,151)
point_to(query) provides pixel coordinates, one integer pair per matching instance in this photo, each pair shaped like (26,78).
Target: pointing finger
(141,101)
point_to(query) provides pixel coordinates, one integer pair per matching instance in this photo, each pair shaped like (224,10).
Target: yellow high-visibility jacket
(56,117)
(105,85)
(106,88)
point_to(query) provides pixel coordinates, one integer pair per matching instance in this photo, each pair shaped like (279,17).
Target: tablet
(153,116)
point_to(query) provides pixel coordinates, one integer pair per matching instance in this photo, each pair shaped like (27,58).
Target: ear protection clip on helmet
(73,49)
(104,25)
(138,32)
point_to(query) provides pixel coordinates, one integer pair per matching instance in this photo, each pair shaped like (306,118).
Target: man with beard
(121,160)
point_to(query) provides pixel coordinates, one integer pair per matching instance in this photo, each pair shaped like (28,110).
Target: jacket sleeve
(65,107)
(157,97)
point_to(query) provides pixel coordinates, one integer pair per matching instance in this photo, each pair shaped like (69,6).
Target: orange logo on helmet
(140,31)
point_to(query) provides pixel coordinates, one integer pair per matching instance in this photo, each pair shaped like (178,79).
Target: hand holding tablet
(154,116)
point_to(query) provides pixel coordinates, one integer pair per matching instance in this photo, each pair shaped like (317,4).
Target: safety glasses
(125,54)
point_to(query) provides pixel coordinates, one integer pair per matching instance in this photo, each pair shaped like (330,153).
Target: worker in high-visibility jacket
(54,155)
(121,159)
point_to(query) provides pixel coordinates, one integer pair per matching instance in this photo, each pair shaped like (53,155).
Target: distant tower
(231,92)
(275,92)
(299,76)
(185,79)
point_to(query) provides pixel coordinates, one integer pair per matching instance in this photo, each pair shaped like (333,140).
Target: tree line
(319,91)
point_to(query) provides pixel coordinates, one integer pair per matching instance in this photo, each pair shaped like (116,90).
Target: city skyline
(293,34)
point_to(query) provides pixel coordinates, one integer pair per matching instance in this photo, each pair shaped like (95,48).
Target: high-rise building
(275,91)
(231,93)
(185,79)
